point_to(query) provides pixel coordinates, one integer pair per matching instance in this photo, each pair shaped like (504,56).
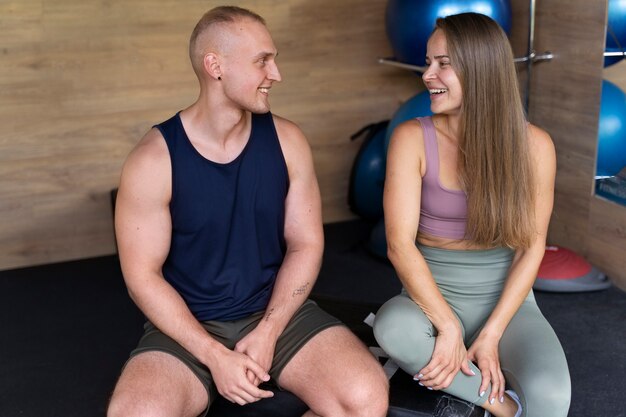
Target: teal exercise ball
(416,106)
(611,131)
(409,23)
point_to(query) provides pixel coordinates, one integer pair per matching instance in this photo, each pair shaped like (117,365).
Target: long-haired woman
(473,186)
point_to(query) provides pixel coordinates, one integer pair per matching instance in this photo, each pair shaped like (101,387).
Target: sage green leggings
(531,357)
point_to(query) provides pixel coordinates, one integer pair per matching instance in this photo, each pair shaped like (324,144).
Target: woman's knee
(403,331)
(547,395)
(535,364)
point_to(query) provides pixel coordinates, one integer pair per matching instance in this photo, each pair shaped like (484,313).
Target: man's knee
(125,405)
(157,384)
(132,404)
(369,397)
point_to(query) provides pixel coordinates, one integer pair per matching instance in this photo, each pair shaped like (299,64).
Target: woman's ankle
(513,395)
(510,407)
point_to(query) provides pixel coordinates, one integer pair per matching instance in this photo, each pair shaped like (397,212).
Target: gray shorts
(308,321)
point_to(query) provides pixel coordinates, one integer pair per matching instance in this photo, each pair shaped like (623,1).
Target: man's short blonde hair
(217,15)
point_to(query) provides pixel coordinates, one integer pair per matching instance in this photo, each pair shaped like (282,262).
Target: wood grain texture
(82,80)
(607,218)
(616,74)
(607,238)
(565,97)
(568,112)
(565,100)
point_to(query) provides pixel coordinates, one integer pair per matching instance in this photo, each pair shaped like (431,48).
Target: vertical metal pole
(531,53)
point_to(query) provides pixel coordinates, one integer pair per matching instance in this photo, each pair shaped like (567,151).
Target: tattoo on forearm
(269,313)
(301,290)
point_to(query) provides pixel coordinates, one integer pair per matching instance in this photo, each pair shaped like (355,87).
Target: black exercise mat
(67,330)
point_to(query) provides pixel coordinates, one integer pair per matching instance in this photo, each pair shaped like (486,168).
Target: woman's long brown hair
(494,161)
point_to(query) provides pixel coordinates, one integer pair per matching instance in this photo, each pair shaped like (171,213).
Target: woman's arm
(402,196)
(524,267)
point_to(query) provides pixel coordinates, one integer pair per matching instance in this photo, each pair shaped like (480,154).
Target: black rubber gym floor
(67,329)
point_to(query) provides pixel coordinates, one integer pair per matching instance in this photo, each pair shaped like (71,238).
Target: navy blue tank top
(227,222)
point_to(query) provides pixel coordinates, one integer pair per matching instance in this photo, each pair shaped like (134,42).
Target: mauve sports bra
(443,212)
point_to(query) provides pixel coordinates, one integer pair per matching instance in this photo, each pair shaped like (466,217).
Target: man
(220,237)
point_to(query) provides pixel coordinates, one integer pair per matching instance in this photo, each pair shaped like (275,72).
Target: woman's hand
(448,357)
(484,352)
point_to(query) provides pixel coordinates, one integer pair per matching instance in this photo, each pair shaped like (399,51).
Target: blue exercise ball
(416,106)
(612,131)
(409,23)
(377,243)
(368,178)
(616,30)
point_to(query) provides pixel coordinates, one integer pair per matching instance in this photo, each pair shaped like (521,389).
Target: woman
(473,185)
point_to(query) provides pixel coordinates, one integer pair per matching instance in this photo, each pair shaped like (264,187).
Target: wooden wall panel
(565,100)
(519,39)
(607,238)
(617,74)
(607,219)
(82,80)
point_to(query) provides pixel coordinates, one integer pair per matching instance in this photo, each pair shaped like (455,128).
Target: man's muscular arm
(143,228)
(305,244)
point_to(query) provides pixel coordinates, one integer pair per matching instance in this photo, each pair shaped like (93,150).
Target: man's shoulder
(289,133)
(284,124)
(151,150)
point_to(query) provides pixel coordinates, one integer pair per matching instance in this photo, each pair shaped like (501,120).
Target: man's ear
(212,66)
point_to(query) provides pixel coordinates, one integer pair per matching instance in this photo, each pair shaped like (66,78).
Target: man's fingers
(257,370)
